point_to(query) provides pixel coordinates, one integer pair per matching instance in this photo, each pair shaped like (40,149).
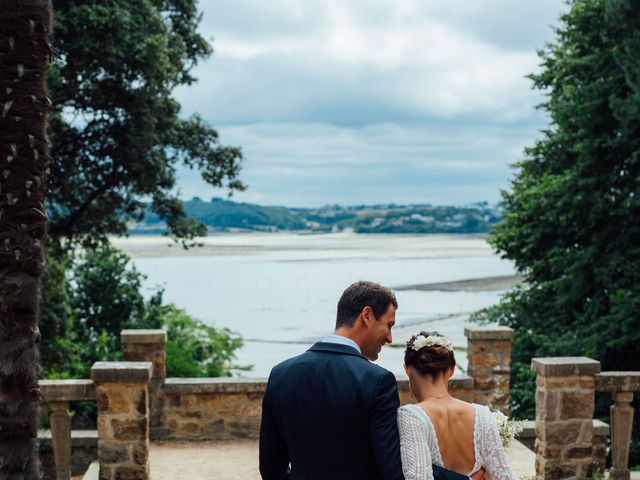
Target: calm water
(279,291)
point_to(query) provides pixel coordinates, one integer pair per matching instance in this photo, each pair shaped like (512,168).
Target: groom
(329,413)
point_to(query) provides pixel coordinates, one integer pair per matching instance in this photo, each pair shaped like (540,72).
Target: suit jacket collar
(334,348)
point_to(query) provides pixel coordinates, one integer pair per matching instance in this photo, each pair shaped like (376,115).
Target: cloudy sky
(371,101)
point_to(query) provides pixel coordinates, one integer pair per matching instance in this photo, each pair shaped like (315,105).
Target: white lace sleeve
(494,458)
(415,444)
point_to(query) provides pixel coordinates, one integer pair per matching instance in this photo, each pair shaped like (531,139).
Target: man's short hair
(359,295)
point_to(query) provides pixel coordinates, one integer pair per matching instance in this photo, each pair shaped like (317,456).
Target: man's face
(379,333)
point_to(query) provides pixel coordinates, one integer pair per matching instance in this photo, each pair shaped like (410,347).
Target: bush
(89,298)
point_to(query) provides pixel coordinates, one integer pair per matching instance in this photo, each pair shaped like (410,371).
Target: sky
(371,101)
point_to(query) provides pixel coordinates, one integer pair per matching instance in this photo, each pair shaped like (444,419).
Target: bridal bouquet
(507,427)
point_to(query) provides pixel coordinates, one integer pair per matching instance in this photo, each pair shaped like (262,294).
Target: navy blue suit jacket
(331,414)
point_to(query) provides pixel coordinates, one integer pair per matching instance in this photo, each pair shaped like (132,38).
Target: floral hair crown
(430,341)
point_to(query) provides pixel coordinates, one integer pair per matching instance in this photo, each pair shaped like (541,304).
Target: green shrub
(90,297)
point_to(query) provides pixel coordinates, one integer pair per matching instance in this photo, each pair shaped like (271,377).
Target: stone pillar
(61,439)
(621,426)
(621,385)
(57,394)
(122,391)
(489,364)
(565,401)
(149,346)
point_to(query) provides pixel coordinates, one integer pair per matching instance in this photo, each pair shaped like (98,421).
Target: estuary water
(279,291)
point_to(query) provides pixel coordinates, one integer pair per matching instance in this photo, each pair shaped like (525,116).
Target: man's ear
(367,315)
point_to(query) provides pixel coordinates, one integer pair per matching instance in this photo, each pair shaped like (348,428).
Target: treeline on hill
(225,215)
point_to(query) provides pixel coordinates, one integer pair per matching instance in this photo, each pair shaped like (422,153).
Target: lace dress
(419,445)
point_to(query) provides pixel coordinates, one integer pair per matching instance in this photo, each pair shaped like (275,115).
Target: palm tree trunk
(24,57)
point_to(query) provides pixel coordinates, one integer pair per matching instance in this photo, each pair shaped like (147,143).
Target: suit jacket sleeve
(440,473)
(274,454)
(383,428)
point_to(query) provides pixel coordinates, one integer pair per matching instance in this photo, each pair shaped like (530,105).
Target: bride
(440,429)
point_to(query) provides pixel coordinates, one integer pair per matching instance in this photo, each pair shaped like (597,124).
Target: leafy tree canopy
(570,223)
(116,132)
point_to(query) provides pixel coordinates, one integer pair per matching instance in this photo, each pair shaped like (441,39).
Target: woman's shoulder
(483,411)
(411,409)
(412,412)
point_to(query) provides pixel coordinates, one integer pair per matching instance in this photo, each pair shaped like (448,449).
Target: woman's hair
(431,360)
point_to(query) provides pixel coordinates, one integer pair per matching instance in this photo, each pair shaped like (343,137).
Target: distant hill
(225,215)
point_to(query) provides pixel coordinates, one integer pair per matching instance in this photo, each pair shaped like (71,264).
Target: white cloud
(316,164)
(421,100)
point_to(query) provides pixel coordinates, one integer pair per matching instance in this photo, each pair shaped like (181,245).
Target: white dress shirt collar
(339,339)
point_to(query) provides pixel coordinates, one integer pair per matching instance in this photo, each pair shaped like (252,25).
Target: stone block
(110,452)
(557,383)
(103,372)
(67,390)
(130,429)
(618,382)
(125,472)
(576,405)
(197,414)
(114,399)
(106,473)
(565,366)
(489,333)
(558,433)
(140,454)
(577,452)
(104,427)
(547,405)
(587,382)
(551,453)
(143,336)
(487,359)
(214,429)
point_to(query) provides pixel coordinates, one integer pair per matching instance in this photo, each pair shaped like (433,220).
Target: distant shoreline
(239,243)
(484,284)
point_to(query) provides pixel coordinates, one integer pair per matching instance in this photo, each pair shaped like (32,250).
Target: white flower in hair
(431,341)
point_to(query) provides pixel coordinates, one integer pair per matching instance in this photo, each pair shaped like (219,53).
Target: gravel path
(239,461)
(205,460)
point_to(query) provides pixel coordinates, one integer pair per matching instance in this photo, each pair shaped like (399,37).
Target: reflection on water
(284,288)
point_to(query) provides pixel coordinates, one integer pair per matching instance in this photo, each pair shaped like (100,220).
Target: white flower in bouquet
(507,427)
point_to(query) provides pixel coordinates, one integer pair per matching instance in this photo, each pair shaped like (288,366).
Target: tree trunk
(24,57)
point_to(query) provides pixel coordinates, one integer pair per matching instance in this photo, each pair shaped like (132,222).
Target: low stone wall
(228,408)
(213,408)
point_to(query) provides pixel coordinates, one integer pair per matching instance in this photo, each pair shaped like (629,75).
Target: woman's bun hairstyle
(429,360)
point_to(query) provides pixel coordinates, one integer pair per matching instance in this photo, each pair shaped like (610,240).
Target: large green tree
(116,131)
(24,57)
(571,216)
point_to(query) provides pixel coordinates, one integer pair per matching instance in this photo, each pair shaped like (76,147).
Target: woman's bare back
(454,422)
